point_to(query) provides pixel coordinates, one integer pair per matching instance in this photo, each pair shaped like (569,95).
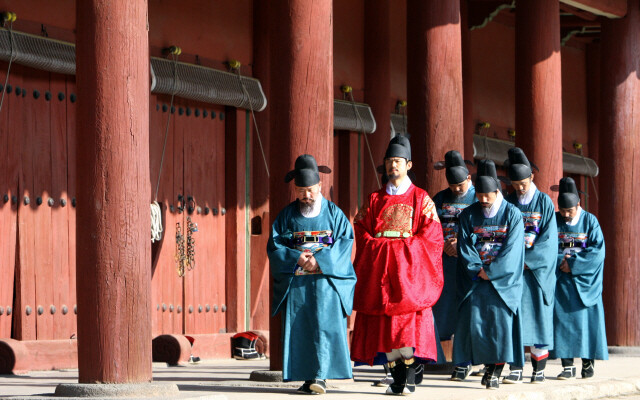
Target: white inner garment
(493,210)
(400,189)
(396,354)
(527,197)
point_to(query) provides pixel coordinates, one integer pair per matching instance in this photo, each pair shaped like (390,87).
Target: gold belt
(393,234)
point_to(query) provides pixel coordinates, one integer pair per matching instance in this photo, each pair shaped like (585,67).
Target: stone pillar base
(102,390)
(265,375)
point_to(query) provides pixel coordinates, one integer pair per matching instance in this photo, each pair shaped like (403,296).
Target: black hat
(518,164)
(487,178)
(456,171)
(306,171)
(568,196)
(399,146)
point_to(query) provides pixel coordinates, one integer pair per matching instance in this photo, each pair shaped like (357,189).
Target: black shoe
(305,389)
(587,369)
(537,377)
(399,373)
(538,370)
(412,371)
(318,386)
(567,373)
(515,376)
(493,378)
(460,373)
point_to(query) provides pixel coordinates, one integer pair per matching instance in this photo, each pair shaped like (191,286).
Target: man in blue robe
(489,280)
(313,282)
(539,275)
(579,312)
(449,203)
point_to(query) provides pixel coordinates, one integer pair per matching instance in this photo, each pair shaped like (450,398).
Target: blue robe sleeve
(541,258)
(335,260)
(282,258)
(468,258)
(505,271)
(587,266)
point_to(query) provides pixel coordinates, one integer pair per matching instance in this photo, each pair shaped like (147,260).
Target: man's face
(308,195)
(487,199)
(461,188)
(569,213)
(396,167)
(522,186)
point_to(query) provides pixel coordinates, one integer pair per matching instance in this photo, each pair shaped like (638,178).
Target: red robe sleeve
(398,276)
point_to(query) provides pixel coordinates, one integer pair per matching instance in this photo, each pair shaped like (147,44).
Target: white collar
(317,207)
(575,219)
(493,210)
(527,197)
(400,189)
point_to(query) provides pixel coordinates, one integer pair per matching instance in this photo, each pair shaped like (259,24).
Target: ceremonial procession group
(492,273)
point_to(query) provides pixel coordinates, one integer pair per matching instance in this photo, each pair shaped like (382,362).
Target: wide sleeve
(415,276)
(469,261)
(541,258)
(282,259)
(335,260)
(587,266)
(505,271)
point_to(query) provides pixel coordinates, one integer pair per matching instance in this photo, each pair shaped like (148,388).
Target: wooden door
(191,190)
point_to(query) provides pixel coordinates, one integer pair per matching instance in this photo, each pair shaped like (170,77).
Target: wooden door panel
(62,325)
(9,149)
(204,180)
(70,197)
(166,284)
(23,125)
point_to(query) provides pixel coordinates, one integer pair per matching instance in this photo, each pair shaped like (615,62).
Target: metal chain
(191,244)
(180,254)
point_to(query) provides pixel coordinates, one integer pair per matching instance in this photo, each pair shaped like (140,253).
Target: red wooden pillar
(301,103)
(260,179)
(593,121)
(434,86)
(619,150)
(377,86)
(539,88)
(113,246)
(467,84)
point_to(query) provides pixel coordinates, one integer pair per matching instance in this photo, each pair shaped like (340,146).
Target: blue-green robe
(539,281)
(579,313)
(488,329)
(314,306)
(449,207)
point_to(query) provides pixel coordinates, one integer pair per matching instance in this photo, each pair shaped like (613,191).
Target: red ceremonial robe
(399,279)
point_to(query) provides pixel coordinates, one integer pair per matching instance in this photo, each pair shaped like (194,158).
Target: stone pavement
(229,379)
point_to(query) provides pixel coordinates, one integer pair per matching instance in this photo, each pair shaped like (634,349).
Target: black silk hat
(568,196)
(487,178)
(456,170)
(518,164)
(399,146)
(306,171)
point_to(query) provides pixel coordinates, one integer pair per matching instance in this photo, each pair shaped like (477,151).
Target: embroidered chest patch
(571,242)
(489,240)
(531,227)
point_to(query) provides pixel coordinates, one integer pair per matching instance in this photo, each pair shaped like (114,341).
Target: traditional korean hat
(568,196)
(518,164)
(487,178)
(456,170)
(399,146)
(306,171)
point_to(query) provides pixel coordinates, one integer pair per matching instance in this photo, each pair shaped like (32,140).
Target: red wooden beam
(607,8)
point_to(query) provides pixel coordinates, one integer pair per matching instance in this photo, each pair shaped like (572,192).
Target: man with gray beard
(313,281)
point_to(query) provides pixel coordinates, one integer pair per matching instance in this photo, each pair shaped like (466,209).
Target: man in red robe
(399,268)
